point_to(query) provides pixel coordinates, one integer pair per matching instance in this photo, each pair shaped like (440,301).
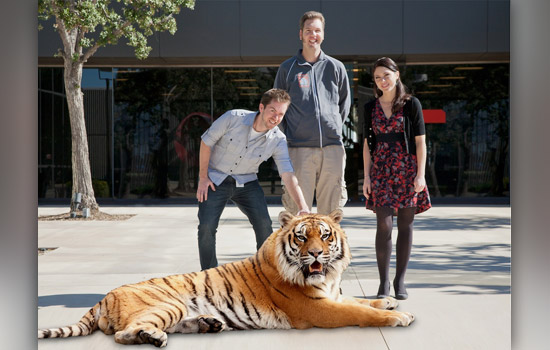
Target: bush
(143,190)
(101,188)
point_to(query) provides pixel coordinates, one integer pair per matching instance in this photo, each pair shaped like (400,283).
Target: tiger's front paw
(402,319)
(210,324)
(156,337)
(387,303)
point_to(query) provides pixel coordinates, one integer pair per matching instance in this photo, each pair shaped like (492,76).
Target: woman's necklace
(386,108)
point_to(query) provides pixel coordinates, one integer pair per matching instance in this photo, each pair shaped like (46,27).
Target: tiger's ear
(285,217)
(336,216)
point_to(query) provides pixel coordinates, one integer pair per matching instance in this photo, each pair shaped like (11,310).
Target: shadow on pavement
(70,300)
(477,289)
(430,223)
(490,258)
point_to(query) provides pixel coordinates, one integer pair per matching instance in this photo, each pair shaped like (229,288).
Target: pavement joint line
(384,338)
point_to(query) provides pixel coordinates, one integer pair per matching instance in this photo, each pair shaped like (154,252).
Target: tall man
(319,87)
(231,151)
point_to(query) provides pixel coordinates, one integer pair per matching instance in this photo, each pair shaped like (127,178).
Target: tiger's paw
(387,303)
(210,324)
(157,338)
(402,319)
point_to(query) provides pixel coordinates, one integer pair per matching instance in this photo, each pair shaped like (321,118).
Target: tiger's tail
(87,324)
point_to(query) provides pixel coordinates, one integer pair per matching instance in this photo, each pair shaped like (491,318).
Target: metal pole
(113,136)
(107,127)
(211,94)
(52,160)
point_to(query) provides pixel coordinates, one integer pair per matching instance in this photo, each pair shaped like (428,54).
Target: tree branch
(165,19)
(79,37)
(117,34)
(63,33)
(89,53)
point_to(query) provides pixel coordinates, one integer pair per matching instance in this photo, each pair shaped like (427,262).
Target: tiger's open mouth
(316,268)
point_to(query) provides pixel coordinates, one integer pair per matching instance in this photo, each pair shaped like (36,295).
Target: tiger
(293,281)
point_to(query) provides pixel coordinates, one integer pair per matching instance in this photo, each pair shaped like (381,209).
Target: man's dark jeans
(251,201)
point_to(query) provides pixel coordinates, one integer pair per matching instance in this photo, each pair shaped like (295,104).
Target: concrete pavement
(458,277)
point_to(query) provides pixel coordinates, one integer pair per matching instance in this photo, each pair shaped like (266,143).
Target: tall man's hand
(291,183)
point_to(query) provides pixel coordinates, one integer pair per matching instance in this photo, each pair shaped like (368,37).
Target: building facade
(144,118)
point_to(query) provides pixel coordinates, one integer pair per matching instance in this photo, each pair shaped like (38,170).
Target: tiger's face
(312,248)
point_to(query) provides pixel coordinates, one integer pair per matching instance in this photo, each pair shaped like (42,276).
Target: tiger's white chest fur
(330,290)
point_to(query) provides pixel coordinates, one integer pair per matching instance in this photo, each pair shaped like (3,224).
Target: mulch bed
(99,216)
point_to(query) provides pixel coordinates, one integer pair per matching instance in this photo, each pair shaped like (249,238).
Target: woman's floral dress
(394,169)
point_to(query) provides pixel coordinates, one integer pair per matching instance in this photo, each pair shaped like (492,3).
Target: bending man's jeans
(251,201)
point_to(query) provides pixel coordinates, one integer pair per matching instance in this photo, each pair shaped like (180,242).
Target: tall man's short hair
(312,15)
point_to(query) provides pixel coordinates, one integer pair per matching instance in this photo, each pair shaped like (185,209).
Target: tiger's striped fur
(293,281)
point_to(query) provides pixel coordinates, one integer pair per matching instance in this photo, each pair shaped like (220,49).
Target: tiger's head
(311,249)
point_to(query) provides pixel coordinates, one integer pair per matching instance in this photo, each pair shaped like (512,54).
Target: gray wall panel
(266,31)
(212,29)
(363,27)
(271,28)
(445,27)
(48,40)
(499,26)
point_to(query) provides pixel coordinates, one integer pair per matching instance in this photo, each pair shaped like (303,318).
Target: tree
(84,26)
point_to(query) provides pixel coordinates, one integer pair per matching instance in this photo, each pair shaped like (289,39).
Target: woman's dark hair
(401,94)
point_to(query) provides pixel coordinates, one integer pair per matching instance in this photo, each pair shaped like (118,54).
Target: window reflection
(152,107)
(149,120)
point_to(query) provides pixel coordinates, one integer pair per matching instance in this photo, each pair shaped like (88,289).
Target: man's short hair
(275,94)
(312,15)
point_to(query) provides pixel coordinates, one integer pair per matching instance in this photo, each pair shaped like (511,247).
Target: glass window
(144,127)
(54,147)
(159,117)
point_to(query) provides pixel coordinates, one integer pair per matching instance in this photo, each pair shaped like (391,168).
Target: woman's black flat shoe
(400,294)
(383,291)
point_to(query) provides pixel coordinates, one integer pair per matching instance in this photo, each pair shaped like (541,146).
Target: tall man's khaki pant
(320,173)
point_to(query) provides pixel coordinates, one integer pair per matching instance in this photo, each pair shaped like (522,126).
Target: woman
(394,156)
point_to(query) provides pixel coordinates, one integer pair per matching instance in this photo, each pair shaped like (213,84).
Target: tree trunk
(82,177)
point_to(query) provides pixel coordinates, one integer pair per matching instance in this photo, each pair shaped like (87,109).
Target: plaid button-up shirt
(234,154)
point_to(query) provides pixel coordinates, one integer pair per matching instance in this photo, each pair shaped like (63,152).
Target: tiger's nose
(315,252)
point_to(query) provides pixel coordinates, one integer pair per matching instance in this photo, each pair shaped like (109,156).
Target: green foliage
(134,20)
(143,190)
(101,188)
(86,25)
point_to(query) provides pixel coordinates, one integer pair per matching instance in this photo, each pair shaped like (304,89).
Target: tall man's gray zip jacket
(321,100)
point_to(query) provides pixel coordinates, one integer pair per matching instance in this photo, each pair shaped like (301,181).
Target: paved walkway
(458,277)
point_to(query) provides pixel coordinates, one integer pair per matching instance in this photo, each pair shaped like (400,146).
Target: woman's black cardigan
(413,119)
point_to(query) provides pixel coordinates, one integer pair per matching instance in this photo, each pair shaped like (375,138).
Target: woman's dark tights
(383,244)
